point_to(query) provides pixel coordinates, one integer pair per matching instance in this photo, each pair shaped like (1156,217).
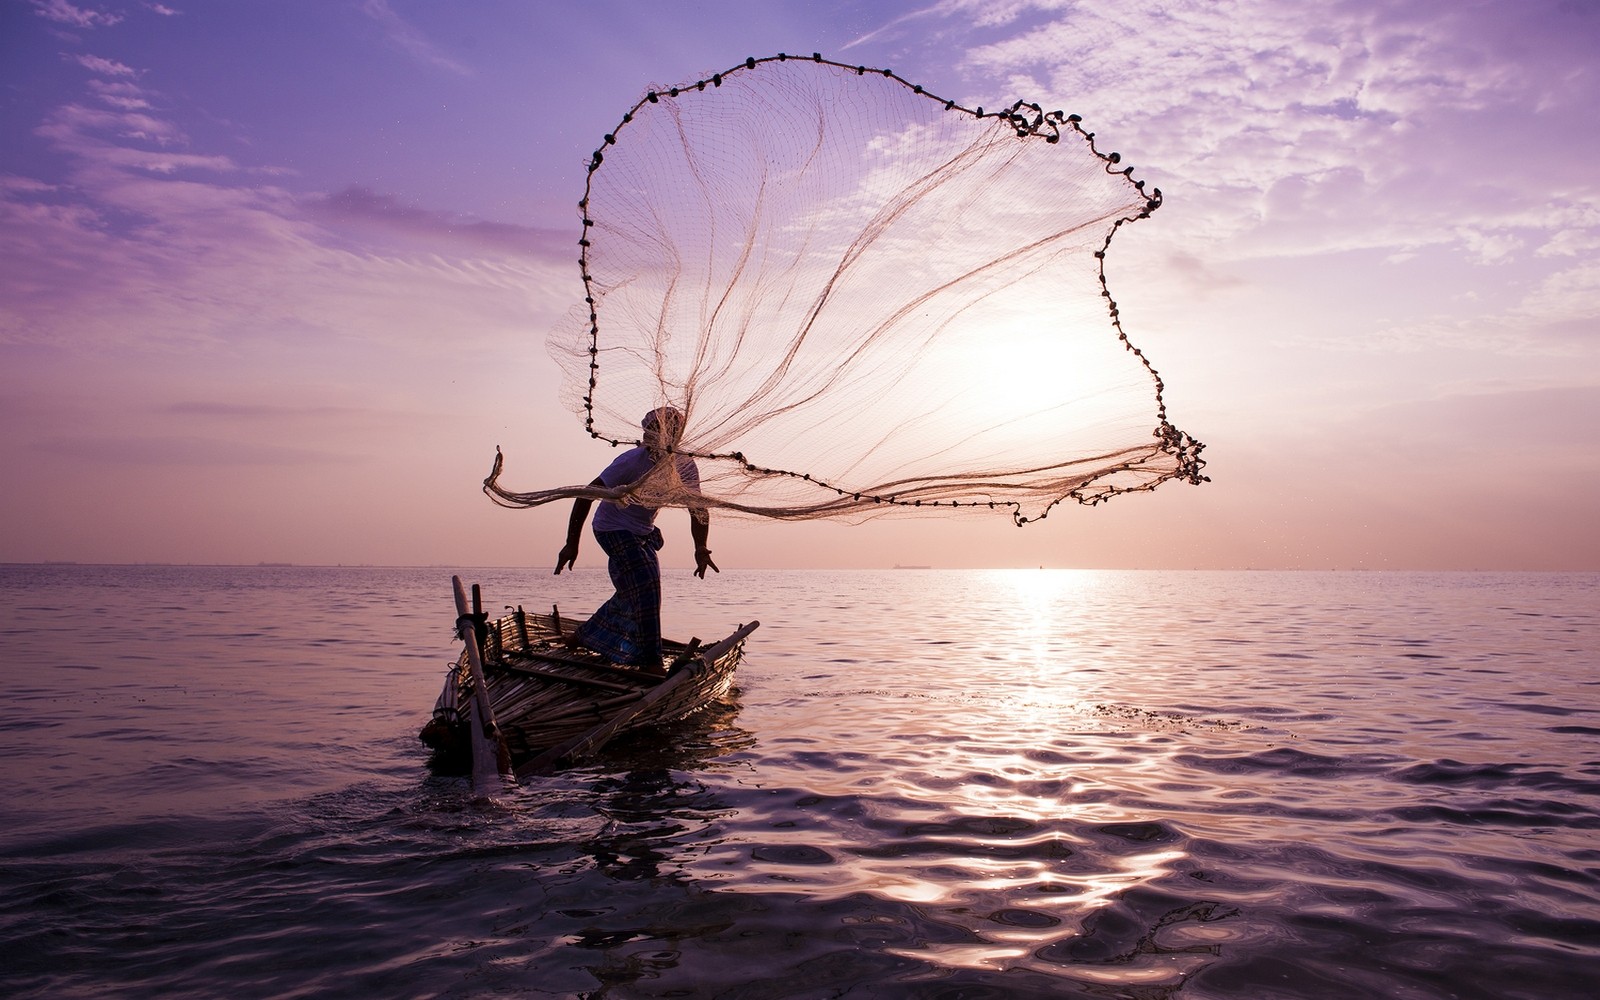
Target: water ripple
(928,785)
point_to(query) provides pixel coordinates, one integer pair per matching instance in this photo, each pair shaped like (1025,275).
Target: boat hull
(550,704)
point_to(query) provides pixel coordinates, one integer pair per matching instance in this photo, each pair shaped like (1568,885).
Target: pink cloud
(125,96)
(63,12)
(362,207)
(105,67)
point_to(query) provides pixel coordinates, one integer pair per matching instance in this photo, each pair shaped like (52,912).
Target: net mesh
(864,300)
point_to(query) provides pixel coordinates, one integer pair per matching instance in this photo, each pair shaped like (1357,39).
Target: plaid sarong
(627,628)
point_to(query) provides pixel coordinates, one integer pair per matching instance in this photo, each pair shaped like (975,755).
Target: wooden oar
(491,758)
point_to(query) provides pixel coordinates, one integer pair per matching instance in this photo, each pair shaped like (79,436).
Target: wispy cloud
(408,39)
(1400,129)
(933,21)
(1411,93)
(898,22)
(153,246)
(98,135)
(121,95)
(62,12)
(102,66)
(363,207)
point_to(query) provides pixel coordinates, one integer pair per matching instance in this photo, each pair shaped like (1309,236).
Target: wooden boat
(520,701)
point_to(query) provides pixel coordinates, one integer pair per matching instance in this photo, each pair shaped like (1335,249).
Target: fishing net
(863,299)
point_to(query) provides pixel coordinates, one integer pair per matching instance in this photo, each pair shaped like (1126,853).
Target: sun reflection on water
(980,772)
(1037,604)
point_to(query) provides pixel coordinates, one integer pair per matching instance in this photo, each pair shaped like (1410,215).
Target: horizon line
(737,569)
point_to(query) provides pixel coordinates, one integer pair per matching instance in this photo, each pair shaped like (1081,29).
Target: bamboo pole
(491,758)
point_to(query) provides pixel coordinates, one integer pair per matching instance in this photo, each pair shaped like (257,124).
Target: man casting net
(863,299)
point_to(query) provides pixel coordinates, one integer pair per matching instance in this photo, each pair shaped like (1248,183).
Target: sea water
(928,784)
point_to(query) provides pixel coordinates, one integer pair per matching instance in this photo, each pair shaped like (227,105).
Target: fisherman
(627,628)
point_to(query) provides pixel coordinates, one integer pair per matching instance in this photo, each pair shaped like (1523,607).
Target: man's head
(662,428)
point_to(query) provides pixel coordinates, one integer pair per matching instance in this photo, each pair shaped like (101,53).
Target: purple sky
(275,277)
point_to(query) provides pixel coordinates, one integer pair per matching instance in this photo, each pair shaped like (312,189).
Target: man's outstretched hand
(568,558)
(702,560)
